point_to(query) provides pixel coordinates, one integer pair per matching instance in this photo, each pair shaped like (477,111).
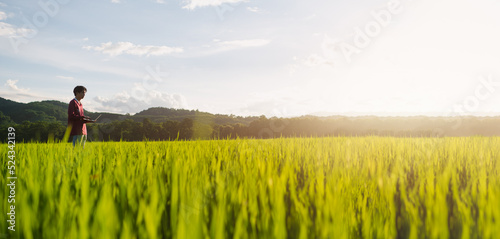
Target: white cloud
(317,60)
(3,16)
(115,49)
(70,78)
(313,61)
(217,46)
(12,85)
(8,30)
(245,43)
(289,101)
(60,58)
(254,9)
(115,1)
(139,99)
(310,17)
(193,4)
(13,92)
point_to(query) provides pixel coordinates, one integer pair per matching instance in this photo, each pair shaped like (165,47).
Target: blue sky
(277,58)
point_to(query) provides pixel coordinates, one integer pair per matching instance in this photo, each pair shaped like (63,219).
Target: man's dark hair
(79,89)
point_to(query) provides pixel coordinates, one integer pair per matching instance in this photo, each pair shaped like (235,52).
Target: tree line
(261,127)
(126,130)
(311,126)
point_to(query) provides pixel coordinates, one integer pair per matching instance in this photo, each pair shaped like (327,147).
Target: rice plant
(338,187)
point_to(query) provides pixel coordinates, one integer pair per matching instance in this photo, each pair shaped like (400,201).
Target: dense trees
(418,126)
(262,127)
(46,120)
(127,130)
(35,131)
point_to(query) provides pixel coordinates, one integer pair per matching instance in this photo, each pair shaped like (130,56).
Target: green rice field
(337,187)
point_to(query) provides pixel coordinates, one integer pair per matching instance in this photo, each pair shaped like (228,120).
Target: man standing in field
(76,119)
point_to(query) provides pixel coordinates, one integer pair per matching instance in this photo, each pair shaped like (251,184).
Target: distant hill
(159,114)
(48,111)
(43,111)
(161,123)
(52,111)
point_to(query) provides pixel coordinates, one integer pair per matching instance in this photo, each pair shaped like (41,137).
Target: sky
(250,58)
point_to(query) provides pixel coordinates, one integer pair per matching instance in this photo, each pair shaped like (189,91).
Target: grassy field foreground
(341,187)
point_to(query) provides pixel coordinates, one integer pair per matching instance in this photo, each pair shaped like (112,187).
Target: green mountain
(159,114)
(56,111)
(39,120)
(34,111)
(47,111)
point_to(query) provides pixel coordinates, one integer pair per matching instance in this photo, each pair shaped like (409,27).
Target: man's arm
(87,119)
